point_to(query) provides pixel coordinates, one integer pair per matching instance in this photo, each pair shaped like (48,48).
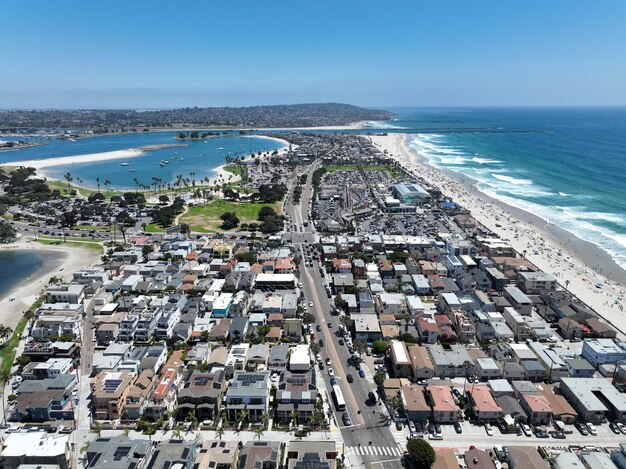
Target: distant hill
(293,115)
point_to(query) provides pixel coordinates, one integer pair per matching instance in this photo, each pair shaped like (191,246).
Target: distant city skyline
(152,55)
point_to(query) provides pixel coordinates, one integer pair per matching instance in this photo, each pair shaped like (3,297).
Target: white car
(310,304)
(622,427)
(488,429)
(328,362)
(331,372)
(526,429)
(592,429)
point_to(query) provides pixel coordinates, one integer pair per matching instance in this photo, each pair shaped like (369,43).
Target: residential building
(295,397)
(311,455)
(118,452)
(35,448)
(444,408)
(248,393)
(602,351)
(594,399)
(483,404)
(108,394)
(415,403)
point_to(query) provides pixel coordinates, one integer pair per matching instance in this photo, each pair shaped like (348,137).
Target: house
(109,393)
(483,404)
(311,455)
(35,449)
(138,395)
(428,330)
(444,408)
(526,457)
(487,369)
(118,452)
(532,283)
(421,364)
(537,407)
(260,454)
(201,394)
(414,402)
(295,397)
(366,327)
(248,393)
(278,358)
(65,293)
(478,459)
(519,301)
(450,362)
(579,368)
(257,356)
(300,360)
(215,454)
(400,360)
(173,454)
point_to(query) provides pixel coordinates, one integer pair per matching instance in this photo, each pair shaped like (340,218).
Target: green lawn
(7,351)
(74,244)
(90,227)
(206,218)
(370,167)
(154,228)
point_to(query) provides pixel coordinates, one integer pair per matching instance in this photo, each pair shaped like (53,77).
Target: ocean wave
(381,125)
(485,160)
(512,180)
(563,194)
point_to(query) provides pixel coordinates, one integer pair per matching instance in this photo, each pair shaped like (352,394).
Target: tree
(308,318)
(379,378)
(164,199)
(359,346)
(258,432)
(68,177)
(229,220)
(219,432)
(380,347)
(420,452)
(7,232)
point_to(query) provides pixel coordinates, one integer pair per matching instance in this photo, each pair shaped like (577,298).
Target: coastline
(70,259)
(582,264)
(90,157)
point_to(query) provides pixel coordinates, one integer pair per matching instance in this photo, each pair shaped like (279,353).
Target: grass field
(206,218)
(89,227)
(7,351)
(370,167)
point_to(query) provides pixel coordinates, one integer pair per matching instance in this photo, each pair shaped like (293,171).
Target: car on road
(341,342)
(457,427)
(328,362)
(558,435)
(310,304)
(346,419)
(318,328)
(330,325)
(321,342)
(318,357)
(398,425)
(488,429)
(592,429)
(349,378)
(331,372)
(582,428)
(526,429)
(362,373)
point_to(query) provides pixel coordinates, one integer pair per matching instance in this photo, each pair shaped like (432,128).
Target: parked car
(331,372)
(582,428)
(541,434)
(500,454)
(526,429)
(622,427)
(346,419)
(457,427)
(614,428)
(328,362)
(398,425)
(349,378)
(488,429)
(362,373)
(592,429)
(558,435)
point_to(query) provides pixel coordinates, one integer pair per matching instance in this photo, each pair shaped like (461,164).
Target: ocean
(16,266)
(198,157)
(566,165)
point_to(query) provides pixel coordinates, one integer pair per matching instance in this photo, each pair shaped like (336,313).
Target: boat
(133,170)
(164,162)
(124,164)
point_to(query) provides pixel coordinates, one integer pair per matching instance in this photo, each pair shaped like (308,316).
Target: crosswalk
(367,450)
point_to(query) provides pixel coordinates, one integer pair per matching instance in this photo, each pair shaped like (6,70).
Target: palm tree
(68,177)
(258,431)
(294,416)
(107,184)
(97,429)
(219,433)
(98,183)
(566,285)
(126,432)
(5,376)
(177,433)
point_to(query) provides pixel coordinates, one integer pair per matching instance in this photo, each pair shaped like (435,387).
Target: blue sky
(152,54)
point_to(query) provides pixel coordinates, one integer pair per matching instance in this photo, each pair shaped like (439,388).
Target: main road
(368,440)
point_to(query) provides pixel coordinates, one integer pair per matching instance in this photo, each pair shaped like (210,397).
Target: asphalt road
(369,440)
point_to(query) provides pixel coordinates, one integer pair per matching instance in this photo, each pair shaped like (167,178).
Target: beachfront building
(602,351)
(411,193)
(532,283)
(519,301)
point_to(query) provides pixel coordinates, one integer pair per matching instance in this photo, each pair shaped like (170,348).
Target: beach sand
(70,259)
(571,260)
(90,158)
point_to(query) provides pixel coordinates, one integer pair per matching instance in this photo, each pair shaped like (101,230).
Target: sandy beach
(90,158)
(70,259)
(589,272)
